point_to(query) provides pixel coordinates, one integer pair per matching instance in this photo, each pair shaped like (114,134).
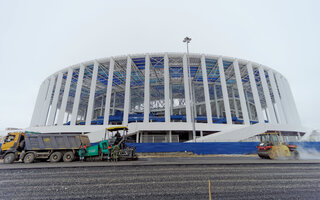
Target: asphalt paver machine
(112,148)
(118,136)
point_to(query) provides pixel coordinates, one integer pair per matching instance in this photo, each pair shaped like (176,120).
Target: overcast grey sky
(38,38)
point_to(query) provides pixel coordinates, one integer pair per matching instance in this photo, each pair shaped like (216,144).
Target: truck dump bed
(48,141)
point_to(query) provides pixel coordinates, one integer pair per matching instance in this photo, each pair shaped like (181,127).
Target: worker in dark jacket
(82,152)
(118,138)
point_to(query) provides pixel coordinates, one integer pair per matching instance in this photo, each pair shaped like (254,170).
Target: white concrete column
(216,101)
(193,97)
(127,93)
(281,117)
(243,104)
(45,110)
(108,95)
(171,100)
(292,102)
(65,97)
(288,110)
(167,88)
(170,136)
(255,94)
(55,100)
(137,137)
(92,93)
(186,89)
(206,89)
(267,96)
(224,91)
(146,90)
(283,100)
(38,119)
(77,96)
(38,104)
(68,114)
(248,106)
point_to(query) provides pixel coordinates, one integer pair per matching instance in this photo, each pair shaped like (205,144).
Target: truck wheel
(29,158)
(68,157)
(9,158)
(55,156)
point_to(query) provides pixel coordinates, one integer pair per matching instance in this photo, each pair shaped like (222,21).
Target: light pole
(187,40)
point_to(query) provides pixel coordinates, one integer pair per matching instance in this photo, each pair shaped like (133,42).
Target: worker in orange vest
(109,152)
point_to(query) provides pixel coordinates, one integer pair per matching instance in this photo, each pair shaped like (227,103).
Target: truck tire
(29,158)
(55,156)
(68,157)
(9,158)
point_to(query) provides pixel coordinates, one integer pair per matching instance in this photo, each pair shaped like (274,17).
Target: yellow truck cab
(11,147)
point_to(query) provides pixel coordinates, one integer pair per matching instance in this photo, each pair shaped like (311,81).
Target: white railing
(158,138)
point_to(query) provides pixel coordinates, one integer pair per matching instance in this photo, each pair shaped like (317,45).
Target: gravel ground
(238,181)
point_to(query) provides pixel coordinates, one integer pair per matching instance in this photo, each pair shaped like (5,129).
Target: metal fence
(158,138)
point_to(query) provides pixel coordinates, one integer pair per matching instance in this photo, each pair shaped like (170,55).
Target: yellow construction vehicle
(11,147)
(271,147)
(113,147)
(31,146)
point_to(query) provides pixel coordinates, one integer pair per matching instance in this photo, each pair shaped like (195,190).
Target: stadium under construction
(163,97)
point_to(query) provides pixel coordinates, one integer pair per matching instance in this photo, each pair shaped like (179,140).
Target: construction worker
(109,152)
(115,153)
(82,152)
(118,138)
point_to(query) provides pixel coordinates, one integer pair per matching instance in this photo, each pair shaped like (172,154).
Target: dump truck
(31,146)
(112,148)
(271,147)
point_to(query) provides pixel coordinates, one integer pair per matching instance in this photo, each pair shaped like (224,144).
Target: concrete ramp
(236,135)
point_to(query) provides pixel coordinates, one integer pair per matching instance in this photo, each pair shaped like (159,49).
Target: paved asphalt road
(171,181)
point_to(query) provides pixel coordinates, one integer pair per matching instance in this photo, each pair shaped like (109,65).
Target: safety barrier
(210,147)
(198,148)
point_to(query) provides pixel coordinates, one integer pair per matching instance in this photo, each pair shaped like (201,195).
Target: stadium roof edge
(106,59)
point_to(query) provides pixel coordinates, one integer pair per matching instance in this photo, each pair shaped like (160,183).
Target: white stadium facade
(157,94)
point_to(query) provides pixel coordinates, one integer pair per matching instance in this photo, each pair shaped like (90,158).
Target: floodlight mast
(192,102)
